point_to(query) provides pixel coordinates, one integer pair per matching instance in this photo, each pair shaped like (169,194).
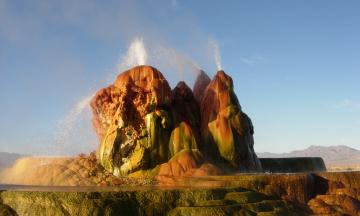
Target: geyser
(216,51)
(144,125)
(135,56)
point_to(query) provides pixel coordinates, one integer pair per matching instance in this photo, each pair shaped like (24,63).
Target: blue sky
(295,64)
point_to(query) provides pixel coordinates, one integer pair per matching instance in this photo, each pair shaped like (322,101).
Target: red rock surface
(227,132)
(181,163)
(186,163)
(217,97)
(337,193)
(134,94)
(104,105)
(149,85)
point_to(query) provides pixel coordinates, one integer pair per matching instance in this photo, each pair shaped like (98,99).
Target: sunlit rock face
(133,120)
(142,123)
(227,132)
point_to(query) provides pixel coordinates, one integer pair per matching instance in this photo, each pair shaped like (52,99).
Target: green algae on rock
(181,138)
(133,202)
(245,194)
(5,210)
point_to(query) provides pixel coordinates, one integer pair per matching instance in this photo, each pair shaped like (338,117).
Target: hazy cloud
(252,60)
(348,104)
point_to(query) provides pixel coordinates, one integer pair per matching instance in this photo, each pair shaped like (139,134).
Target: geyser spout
(135,56)
(217,56)
(137,49)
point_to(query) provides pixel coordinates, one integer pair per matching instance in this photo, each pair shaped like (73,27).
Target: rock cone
(186,118)
(142,123)
(227,132)
(201,82)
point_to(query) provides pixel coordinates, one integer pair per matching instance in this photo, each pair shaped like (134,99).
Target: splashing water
(66,126)
(216,50)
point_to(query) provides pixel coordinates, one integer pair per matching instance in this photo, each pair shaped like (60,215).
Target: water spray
(135,56)
(215,46)
(66,126)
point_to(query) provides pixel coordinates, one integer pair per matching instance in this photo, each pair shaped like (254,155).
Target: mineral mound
(227,132)
(144,125)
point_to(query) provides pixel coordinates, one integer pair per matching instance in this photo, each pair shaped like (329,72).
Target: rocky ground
(170,189)
(82,170)
(243,194)
(231,201)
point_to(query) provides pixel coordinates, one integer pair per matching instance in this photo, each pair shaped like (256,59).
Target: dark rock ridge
(142,123)
(291,165)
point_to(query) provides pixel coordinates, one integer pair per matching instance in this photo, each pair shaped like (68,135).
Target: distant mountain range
(7,159)
(332,155)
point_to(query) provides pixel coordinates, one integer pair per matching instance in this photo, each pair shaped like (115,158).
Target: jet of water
(136,55)
(215,46)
